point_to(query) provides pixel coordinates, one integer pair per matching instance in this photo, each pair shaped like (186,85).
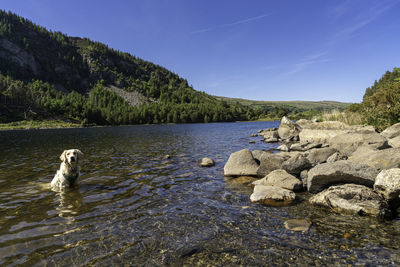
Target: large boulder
(392,131)
(320,155)
(379,159)
(387,183)
(241,163)
(347,143)
(297,163)
(322,132)
(342,171)
(288,130)
(270,162)
(394,142)
(272,195)
(281,179)
(352,199)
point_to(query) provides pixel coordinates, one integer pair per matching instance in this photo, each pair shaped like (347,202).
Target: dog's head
(71,156)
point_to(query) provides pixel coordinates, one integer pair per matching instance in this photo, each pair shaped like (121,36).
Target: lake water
(132,207)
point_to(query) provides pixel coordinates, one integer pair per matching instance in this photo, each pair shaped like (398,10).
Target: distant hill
(46,74)
(295,109)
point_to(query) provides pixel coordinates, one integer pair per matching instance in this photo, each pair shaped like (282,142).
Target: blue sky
(255,49)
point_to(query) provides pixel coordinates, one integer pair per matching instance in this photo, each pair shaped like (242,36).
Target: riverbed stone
(272,195)
(299,225)
(320,155)
(270,135)
(387,183)
(352,199)
(245,180)
(347,143)
(207,162)
(296,164)
(283,147)
(288,130)
(379,159)
(342,171)
(270,162)
(241,163)
(281,179)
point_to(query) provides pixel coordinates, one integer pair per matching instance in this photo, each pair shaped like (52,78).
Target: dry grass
(348,117)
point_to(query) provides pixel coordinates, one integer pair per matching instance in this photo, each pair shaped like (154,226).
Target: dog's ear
(80,154)
(63,158)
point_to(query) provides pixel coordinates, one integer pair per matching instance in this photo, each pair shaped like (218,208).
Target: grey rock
(272,195)
(379,159)
(387,183)
(352,199)
(270,162)
(207,162)
(282,179)
(394,142)
(283,147)
(392,131)
(257,154)
(244,180)
(296,164)
(342,171)
(320,155)
(241,163)
(322,132)
(312,145)
(297,147)
(288,130)
(347,143)
(335,157)
(270,135)
(304,176)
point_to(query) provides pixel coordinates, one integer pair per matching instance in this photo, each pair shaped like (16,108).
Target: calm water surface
(133,207)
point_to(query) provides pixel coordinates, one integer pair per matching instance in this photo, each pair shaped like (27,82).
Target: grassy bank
(47,124)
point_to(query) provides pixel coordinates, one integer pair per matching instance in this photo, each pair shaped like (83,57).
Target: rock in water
(387,183)
(352,199)
(272,195)
(342,171)
(269,162)
(207,162)
(296,164)
(241,163)
(300,225)
(282,179)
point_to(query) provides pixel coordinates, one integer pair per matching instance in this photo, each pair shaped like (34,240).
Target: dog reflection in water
(68,174)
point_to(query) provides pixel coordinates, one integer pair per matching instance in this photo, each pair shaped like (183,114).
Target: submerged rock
(207,162)
(282,179)
(245,180)
(352,199)
(241,163)
(326,174)
(300,225)
(272,195)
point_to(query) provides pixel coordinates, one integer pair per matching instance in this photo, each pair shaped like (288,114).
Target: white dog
(68,173)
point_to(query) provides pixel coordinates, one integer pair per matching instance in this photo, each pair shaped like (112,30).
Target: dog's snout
(72,158)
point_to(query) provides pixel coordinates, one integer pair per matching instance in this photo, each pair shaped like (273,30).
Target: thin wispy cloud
(304,63)
(239,22)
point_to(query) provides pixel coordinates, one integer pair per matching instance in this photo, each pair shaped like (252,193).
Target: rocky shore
(349,169)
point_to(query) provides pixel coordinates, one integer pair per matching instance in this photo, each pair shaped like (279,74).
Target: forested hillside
(381,102)
(45,74)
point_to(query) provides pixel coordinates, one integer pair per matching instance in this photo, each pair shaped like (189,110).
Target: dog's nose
(72,159)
